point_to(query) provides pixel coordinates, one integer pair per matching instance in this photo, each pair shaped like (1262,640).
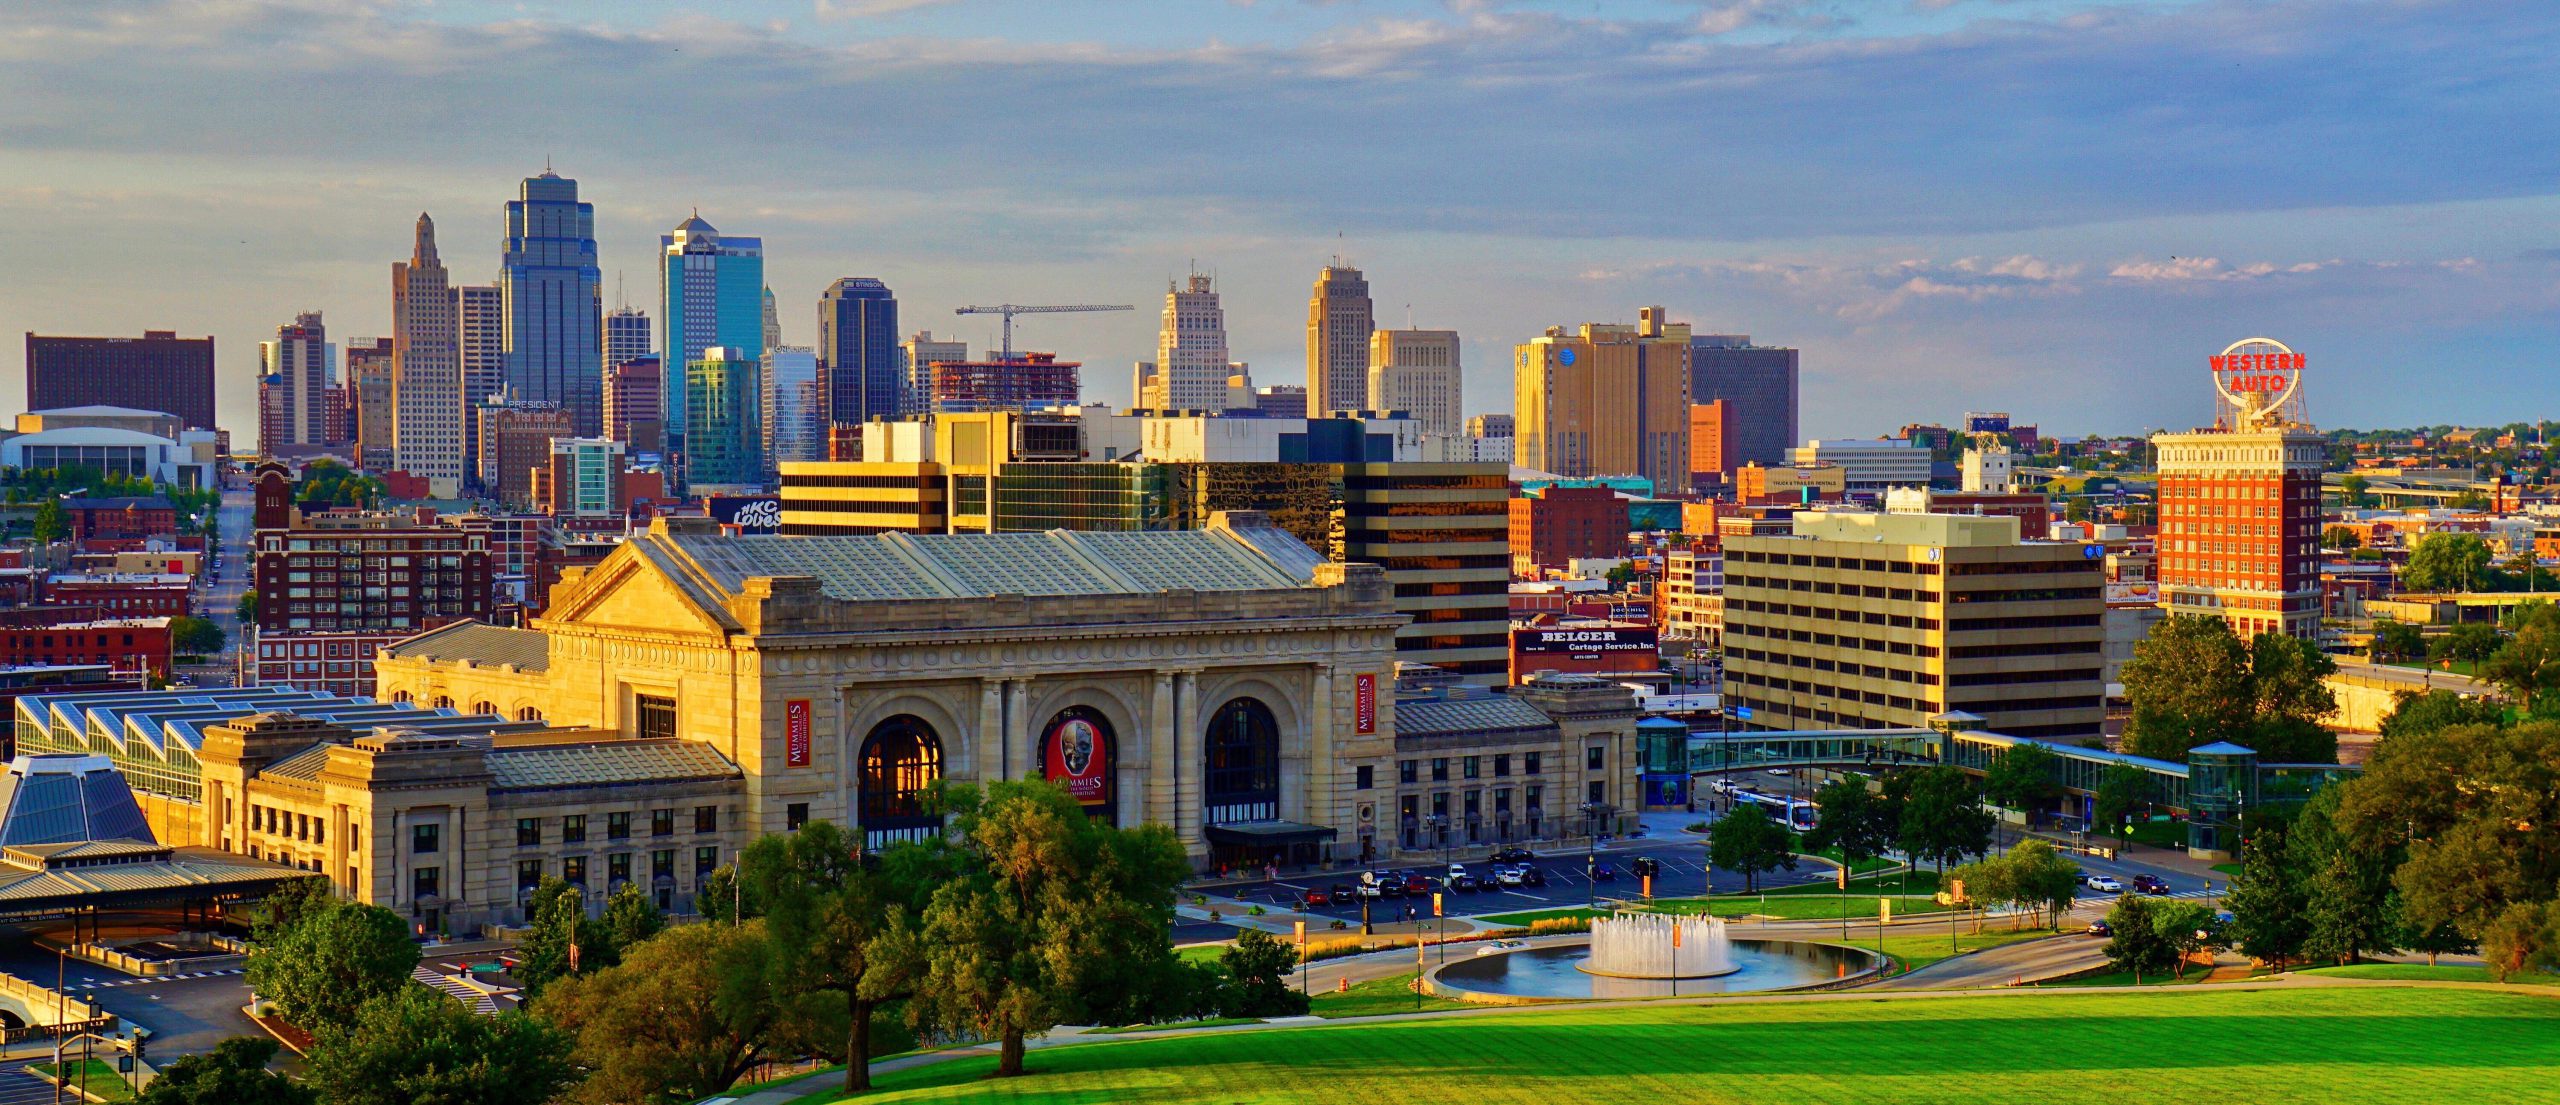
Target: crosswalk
(17,1087)
(109,984)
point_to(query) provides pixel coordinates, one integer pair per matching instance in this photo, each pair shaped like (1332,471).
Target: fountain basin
(1555,973)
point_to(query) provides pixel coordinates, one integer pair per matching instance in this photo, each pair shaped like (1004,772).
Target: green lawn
(1368,999)
(2173,1046)
(1212,1022)
(1917,950)
(2420,972)
(103,1081)
(2125,978)
(1785,907)
(1200,953)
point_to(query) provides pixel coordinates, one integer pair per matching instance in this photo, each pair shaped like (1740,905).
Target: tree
(2187,927)
(195,636)
(630,917)
(2523,937)
(2340,537)
(2469,643)
(288,905)
(1853,820)
(2124,793)
(2343,911)
(2528,668)
(2477,810)
(683,1016)
(1745,839)
(2394,640)
(2267,910)
(331,962)
(1051,902)
(2194,682)
(1942,818)
(2415,712)
(2447,562)
(247,611)
(233,1073)
(851,929)
(1258,967)
(2042,879)
(52,524)
(2134,943)
(2352,490)
(414,1046)
(2025,778)
(556,922)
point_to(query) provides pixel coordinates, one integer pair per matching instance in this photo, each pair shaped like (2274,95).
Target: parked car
(1464,884)
(1457,869)
(1509,876)
(1312,897)
(1497,947)
(2151,884)
(1532,876)
(1364,890)
(1604,873)
(2101,928)
(1513,855)
(2105,884)
(1417,885)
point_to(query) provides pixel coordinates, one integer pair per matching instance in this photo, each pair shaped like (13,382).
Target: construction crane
(1008,310)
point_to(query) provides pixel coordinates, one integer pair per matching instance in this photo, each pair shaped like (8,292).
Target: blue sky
(2052,207)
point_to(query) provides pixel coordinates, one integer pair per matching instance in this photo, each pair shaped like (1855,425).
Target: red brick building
(127,517)
(2032,510)
(132,645)
(124,595)
(327,597)
(1555,525)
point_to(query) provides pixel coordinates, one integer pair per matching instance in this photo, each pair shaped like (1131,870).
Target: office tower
(518,437)
(1339,325)
(426,368)
(635,405)
(1708,423)
(795,423)
(585,478)
(626,336)
(1612,400)
(711,293)
(482,313)
(369,402)
(158,371)
(1024,382)
(724,439)
(1872,467)
(918,354)
(2240,502)
(1418,371)
(1490,438)
(554,300)
(294,374)
(2008,630)
(1191,368)
(772,322)
(1758,383)
(858,363)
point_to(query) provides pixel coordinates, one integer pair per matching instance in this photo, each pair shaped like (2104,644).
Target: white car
(1497,947)
(2105,884)
(1456,870)
(1508,876)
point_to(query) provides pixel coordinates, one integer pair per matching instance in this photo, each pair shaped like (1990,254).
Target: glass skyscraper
(723,402)
(1759,387)
(554,301)
(711,295)
(794,426)
(859,367)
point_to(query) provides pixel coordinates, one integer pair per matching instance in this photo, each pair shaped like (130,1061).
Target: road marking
(111,984)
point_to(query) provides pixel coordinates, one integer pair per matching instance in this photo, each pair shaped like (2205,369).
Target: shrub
(1550,926)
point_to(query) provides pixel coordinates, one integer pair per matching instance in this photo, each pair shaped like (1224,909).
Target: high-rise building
(294,374)
(158,371)
(858,363)
(1023,382)
(1490,438)
(918,355)
(426,368)
(1880,621)
(635,404)
(1872,467)
(1418,371)
(370,405)
(626,336)
(554,296)
(2240,503)
(725,445)
(1191,368)
(772,322)
(1758,383)
(481,311)
(1708,422)
(585,478)
(1612,400)
(519,437)
(711,293)
(1339,323)
(795,424)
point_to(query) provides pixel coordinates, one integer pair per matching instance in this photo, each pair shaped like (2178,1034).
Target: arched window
(484,706)
(403,697)
(444,702)
(528,714)
(1243,777)
(901,760)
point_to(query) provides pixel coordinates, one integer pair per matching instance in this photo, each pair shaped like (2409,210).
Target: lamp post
(1592,813)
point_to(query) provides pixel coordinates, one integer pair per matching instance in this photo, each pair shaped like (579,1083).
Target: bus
(1794,813)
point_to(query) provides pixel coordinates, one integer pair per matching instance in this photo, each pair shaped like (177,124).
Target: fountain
(1659,945)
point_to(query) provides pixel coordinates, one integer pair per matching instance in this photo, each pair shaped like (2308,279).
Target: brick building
(133,516)
(158,371)
(1555,525)
(124,594)
(129,645)
(331,592)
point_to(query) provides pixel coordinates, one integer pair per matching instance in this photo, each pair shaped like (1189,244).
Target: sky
(2056,208)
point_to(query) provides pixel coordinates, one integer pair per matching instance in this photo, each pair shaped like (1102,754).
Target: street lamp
(1592,813)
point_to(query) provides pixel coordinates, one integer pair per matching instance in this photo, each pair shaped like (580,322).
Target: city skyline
(1940,268)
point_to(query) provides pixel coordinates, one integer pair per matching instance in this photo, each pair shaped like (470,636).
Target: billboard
(1606,642)
(1364,703)
(1075,752)
(750,513)
(795,732)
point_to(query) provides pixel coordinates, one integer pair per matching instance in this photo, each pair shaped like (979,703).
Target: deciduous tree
(2447,562)
(2124,793)
(1853,820)
(2024,778)
(2394,640)
(415,1046)
(233,1073)
(1746,839)
(331,961)
(851,930)
(2194,682)
(1942,818)
(2415,712)
(2266,902)
(1258,967)
(2135,943)
(682,1016)
(2186,927)
(556,922)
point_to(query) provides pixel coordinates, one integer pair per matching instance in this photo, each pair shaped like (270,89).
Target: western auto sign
(795,732)
(1364,703)
(2257,374)
(1584,644)
(1075,753)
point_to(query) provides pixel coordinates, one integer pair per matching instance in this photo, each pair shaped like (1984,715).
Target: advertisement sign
(1075,752)
(1584,644)
(795,732)
(750,513)
(2133,594)
(1364,703)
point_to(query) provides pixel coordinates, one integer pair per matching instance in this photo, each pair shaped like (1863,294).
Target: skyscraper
(2240,502)
(370,408)
(294,374)
(158,371)
(426,368)
(554,300)
(795,423)
(482,311)
(635,406)
(1190,370)
(711,293)
(772,322)
(1758,386)
(917,354)
(1612,400)
(1418,371)
(626,336)
(725,445)
(858,362)
(1339,322)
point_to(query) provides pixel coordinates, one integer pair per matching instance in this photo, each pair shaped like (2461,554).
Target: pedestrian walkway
(110,984)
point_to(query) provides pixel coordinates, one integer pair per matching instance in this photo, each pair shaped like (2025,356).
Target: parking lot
(1682,870)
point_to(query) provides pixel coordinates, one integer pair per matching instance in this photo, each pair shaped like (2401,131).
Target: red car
(1313,897)
(1416,885)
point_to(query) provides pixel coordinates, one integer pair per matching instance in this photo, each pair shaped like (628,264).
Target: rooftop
(1490,713)
(1254,557)
(527,649)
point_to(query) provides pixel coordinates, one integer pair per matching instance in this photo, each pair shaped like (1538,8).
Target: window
(1407,771)
(1501,765)
(706,819)
(1596,757)
(423,839)
(705,861)
(573,871)
(528,832)
(662,822)
(1599,792)
(1529,763)
(422,883)
(1472,765)
(1440,769)
(528,874)
(573,829)
(1242,781)
(654,715)
(617,868)
(795,815)
(617,825)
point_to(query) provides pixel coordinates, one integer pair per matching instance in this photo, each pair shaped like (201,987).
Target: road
(218,594)
(185,1015)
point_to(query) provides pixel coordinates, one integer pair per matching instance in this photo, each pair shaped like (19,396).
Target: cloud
(872,9)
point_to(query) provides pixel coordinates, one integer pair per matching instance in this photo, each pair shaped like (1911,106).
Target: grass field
(1917,950)
(2420,972)
(2125,978)
(1369,999)
(1785,907)
(103,1081)
(2175,1046)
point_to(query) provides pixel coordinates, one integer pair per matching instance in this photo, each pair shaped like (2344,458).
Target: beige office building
(1861,620)
(1610,400)
(1418,371)
(1339,321)
(1191,367)
(426,369)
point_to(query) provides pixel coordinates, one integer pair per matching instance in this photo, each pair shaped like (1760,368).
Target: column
(1319,774)
(1160,752)
(1021,759)
(987,743)
(1189,763)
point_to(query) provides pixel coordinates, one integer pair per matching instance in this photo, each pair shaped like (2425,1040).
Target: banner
(1075,752)
(1364,703)
(795,732)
